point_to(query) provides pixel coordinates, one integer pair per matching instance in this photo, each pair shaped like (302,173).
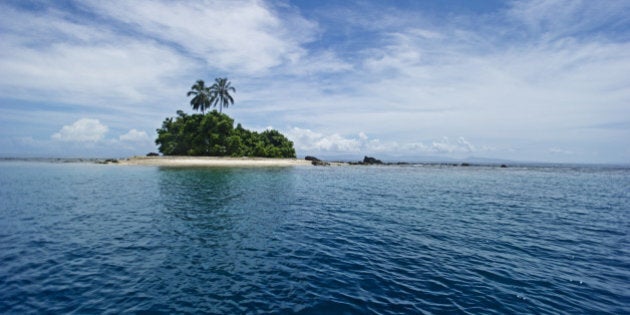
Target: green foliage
(202,96)
(213,134)
(220,91)
(206,96)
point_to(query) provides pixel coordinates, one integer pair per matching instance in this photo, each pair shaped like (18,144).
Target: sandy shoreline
(186,161)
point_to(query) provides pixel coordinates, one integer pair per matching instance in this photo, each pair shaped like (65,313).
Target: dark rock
(315,161)
(320,163)
(367,160)
(153,154)
(464,164)
(108,161)
(503,166)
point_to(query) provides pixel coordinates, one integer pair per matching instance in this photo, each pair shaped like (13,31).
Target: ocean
(411,239)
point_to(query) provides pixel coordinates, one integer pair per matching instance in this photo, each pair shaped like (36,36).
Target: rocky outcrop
(368,160)
(315,161)
(107,161)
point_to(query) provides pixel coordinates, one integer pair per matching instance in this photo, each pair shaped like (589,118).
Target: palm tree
(221,93)
(203,96)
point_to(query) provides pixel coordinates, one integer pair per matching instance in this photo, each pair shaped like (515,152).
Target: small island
(209,139)
(213,133)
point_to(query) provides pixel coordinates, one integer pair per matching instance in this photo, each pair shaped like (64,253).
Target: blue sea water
(88,238)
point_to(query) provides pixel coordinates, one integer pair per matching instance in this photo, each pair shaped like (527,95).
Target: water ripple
(355,240)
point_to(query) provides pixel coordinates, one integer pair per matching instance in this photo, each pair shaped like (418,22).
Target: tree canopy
(206,96)
(221,93)
(213,134)
(202,96)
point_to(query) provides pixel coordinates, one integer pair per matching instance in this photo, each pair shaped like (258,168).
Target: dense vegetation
(213,134)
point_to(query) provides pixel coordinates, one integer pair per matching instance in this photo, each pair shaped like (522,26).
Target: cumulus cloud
(87,137)
(134,135)
(82,130)
(306,140)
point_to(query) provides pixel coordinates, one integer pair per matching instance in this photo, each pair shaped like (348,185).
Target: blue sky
(521,80)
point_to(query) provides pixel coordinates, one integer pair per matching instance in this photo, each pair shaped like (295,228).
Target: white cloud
(552,19)
(310,142)
(325,62)
(53,57)
(134,135)
(306,140)
(402,52)
(446,146)
(83,130)
(245,36)
(88,75)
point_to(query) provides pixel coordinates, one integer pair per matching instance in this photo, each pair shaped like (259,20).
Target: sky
(544,81)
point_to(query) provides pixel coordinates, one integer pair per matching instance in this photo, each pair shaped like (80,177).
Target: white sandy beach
(184,161)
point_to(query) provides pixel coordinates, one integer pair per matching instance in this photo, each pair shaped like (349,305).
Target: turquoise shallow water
(89,238)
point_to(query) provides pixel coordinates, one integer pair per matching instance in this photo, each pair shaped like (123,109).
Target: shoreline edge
(212,161)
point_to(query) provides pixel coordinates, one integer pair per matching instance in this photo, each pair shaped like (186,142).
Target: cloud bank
(88,137)
(306,140)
